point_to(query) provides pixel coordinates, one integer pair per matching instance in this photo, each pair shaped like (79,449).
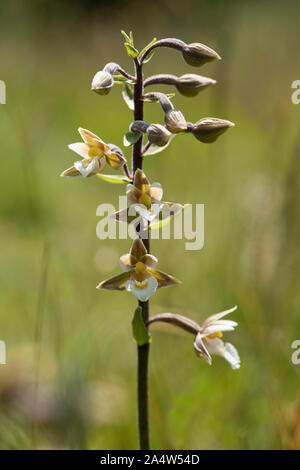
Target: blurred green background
(70,378)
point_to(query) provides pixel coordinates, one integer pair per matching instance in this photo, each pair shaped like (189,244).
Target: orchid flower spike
(95,153)
(139,276)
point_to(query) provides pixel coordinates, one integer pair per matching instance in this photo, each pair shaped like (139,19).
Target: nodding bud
(102,82)
(139,126)
(191,84)
(158,134)
(115,149)
(207,130)
(175,121)
(197,54)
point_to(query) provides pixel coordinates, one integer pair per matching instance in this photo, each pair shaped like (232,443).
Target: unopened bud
(158,135)
(197,54)
(115,149)
(191,84)
(175,121)
(102,82)
(207,130)
(139,126)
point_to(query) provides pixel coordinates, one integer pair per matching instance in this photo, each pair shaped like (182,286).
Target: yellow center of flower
(140,267)
(141,285)
(145,200)
(93,152)
(218,334)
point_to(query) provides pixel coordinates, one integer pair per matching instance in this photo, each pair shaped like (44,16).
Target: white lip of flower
(210,335)
(87,169)
(142,290)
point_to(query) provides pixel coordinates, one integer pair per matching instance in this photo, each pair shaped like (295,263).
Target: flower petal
(143,293)
(201,350)
(232,356)
(138,249)
(70,172)
(156,191)
(88,137)
(91,168)
(117,282)
(149,260)
(80,148)
(217,316)
(114,160)
(127,262)
(211,329)
(164,279)
(140,181)
(227,351)
(133,194)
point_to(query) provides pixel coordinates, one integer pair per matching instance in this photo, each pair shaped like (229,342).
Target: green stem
(142,351)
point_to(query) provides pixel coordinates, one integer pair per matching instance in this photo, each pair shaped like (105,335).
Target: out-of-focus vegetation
(70,377)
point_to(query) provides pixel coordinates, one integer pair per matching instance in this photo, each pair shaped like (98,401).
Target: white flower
(95,154)
(140,276)
(144,289)
(208,340)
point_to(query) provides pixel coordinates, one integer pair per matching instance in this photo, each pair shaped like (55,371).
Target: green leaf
(128,97)
(155,225)
(154,149)
(154,99)
(145,48)
(139,329)
(131,50)
(121,80)
(131,138)
(125,36)
(149,57)
(116,179)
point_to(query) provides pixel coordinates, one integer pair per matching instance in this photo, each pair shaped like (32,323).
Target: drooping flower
(96,154)
(144,199)
(208,336)
(139,276)
(208,339)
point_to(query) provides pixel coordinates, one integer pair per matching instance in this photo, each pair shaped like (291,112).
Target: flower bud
(158,135)
(115,149)
(139,126)
(175,121)
(207,130)
(197,54)
(102,82)
(191,84)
